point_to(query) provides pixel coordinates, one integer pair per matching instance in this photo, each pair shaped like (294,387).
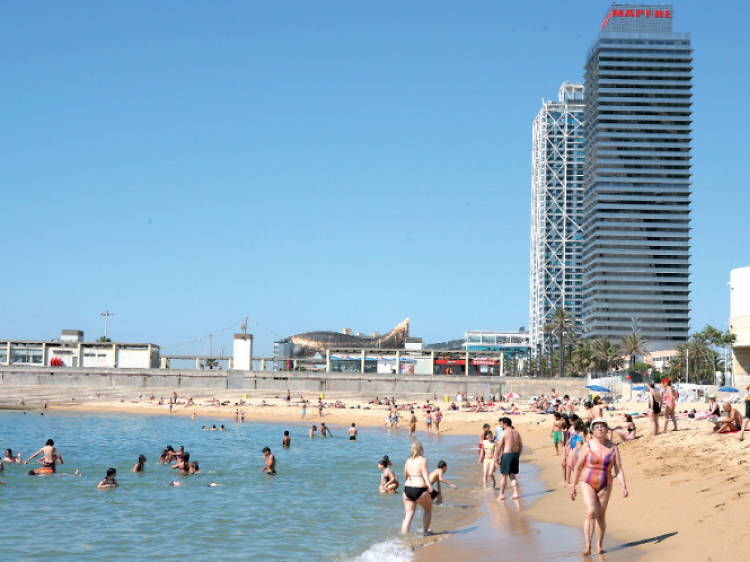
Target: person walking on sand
(669,400)
(437,417)
(598,457)
(511,446)
(417,489)
(654,408)
(557,431)
(487,459)
(304,410)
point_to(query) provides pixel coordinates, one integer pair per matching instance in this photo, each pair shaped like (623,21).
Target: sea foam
(388,551)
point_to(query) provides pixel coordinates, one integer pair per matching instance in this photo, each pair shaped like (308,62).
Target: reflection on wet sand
(504,532)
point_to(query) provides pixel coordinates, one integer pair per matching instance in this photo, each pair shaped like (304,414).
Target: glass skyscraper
(556,193)
(636,181)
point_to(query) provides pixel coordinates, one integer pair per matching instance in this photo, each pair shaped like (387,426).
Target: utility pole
(687,364)
(107,315)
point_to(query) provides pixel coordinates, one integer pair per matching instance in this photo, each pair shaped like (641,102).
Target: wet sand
(688,489)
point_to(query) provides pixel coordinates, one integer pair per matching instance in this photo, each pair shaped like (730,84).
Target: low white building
(739,320)
(71,351)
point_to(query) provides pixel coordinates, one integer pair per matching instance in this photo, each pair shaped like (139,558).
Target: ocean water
(323,504)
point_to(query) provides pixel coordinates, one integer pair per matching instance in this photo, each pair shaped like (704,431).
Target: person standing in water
(269,460)
(324,431)
(487,459)
(50,456)
(412,425)
(598,457)
(140,465)
(353,432)
(417,489)
(313,429)
(286,441)
(388,480)
(509,450)
(436,477)
(108,482)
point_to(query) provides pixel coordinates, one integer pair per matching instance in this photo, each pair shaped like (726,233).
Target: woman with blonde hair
(417,488)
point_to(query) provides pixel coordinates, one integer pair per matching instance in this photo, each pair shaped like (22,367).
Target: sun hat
(599,420)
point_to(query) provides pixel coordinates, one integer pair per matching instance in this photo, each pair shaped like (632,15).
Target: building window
(26,353)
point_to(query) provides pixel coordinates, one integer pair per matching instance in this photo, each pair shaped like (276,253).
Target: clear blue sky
(311,165)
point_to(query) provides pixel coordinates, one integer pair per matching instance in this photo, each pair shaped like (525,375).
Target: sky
(311,165)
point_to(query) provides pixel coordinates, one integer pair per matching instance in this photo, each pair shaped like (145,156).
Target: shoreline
(683,485)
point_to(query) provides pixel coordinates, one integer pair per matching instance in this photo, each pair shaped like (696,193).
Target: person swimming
(50,456)
(108,482)
(10,459)
(140,465)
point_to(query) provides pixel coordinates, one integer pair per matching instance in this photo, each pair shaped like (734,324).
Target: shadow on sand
(631,544)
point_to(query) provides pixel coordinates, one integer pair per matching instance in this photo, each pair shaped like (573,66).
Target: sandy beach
(687,488)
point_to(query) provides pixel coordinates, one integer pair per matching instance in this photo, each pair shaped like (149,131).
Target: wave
(388,551)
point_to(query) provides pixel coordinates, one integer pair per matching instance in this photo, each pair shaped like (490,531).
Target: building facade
(556,194)
(637,168)
(739,322)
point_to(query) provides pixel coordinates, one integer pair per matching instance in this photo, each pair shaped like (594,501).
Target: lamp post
(107,315)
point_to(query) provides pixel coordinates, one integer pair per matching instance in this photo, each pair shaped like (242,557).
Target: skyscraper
(556,193)
(636,207)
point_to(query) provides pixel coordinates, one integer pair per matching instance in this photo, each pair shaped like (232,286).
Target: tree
(582,358)
(633,346)
(560,324)
(606,353)
(104,339)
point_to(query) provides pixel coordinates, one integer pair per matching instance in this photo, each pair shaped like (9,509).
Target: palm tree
(633,346)
(582,358)
(605,353)
(560,323)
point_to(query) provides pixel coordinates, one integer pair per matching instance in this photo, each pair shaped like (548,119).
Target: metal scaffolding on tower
(556,213)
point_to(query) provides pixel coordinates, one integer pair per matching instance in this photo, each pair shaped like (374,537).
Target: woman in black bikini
(417,488)
(140,465)
(654,408)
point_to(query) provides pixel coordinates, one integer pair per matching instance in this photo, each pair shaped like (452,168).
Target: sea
(322,505)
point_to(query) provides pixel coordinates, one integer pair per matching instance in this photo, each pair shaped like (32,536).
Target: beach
(686,488)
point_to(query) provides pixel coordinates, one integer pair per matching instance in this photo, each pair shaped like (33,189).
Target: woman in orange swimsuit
(594,470)
(669,399)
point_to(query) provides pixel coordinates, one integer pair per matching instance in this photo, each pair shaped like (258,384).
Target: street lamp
(107,315)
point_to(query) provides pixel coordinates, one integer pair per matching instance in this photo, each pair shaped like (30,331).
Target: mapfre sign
(621,13)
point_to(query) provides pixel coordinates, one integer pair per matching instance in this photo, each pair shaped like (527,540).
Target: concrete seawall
(280,381)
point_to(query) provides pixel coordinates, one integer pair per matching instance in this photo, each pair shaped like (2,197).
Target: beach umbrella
(640,387)
(513,395)
(597,388)
(728,389)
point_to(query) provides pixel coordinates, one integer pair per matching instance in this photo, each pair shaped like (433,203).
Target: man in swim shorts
(269,460)
(324,431)
(557,436)
(509,450)
(50,456)
(286,440)
(353,432)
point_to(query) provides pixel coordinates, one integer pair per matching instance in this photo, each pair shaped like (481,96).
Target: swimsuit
(556,437)
(413,493)
(509,463)
(596,469)
(434,494)
(489,449)
(655,406)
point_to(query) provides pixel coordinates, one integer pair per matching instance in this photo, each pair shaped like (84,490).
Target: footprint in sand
(718,505)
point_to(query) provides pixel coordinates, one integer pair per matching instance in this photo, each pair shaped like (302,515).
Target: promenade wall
(281,381)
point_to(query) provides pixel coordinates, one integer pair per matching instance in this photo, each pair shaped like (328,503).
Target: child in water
(109,482)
